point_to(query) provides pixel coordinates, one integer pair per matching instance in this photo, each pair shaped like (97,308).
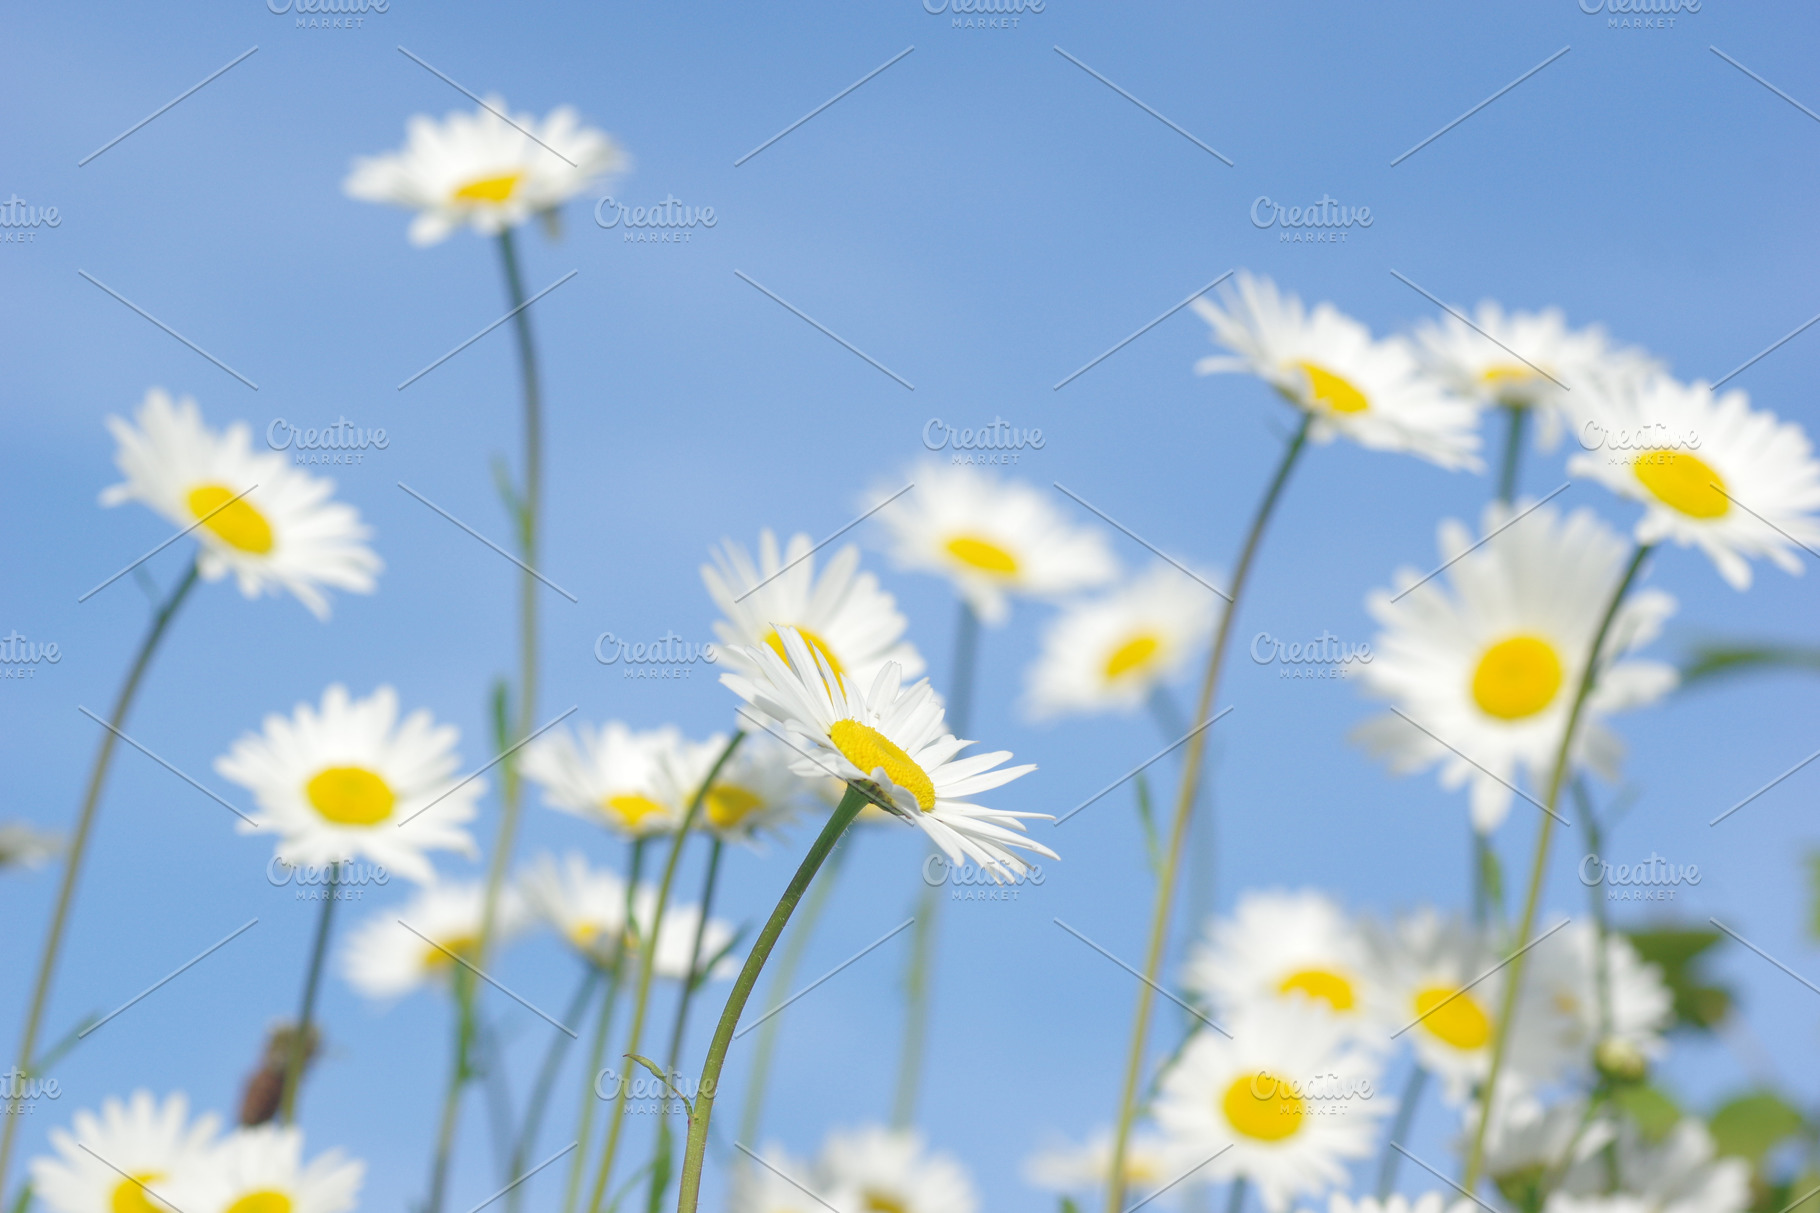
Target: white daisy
(1327,364)
(1113,651)
(676,939)
(1484,667)
(485,172)
(271,526)
(1073,1167)
(127,1160)
(1428,1202)
(1711,472)
(261,1170)
(891,739)
(611,776)
(1566,976)
(756,791)
(354,780)
(843,612)
(1280,947)
(399,950)
(782,1184)
(1679,1175)
(1285,1102)
(879,1170)
(1529,1139)
(992,538)
(587,907)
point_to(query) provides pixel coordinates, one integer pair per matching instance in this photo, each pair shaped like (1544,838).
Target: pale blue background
(983,218)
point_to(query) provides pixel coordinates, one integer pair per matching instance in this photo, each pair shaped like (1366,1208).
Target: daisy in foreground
(351,779)
(892,739)
(483,171)
(1482,673)
(1279,948)
(1328,365)
(271,526)
(262,1171)
(400,950)
(127,1159)
(612,776)
(1710,472)
(882,1170)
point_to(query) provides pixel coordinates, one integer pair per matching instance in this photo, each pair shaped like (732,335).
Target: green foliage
(1649,1108)
(1681,952)
(1752,1125)
(1710,661)
(1070,1205)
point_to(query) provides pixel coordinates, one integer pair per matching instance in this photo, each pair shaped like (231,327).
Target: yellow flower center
(982,554)
(1332,391)
(350,796)
(236,523)
(129,1194)
(728,804)
(868,749)
(1517,677)
(1261,1107)
(583,935)
(1133,656)
(435,958)
(1506,374)
(1453,1017)
(631,809)
(266,1200)
(1683,482)
(1330,987)
(875,1201)
(815,642)
(491,190)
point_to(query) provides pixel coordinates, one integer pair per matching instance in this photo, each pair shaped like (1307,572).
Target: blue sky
(983,217)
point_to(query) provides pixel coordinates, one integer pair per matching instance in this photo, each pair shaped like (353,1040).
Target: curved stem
(539,1098)
(689,1192)
(1501,1039)
(78,848)
(1399,1129)
(1508,473)
(1184,810)
(597,1049)
(300,1041)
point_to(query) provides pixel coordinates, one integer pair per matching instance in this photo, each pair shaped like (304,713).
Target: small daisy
(1327,364)
(1485,669)
(1529,1139)
(856,625)
(1679,1175)
(1565,976)
(1073,1168)
(611,776)
(756,791)
(127,1160)
(352,779)
(1113,651)
(587,907)
(676,939)
(992,538)
(881,1170)
(398,951)
(782,1184)
(485,172)
(271,526)
(1285,1102)
(891,739)
(1711,473)
(1281,947)
(261,1170)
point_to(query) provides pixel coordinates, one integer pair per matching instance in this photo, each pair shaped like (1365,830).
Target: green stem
(597,1049)
(1235,1199)
(1184,810)
(546,1083)
(78,848)
(1563,756)
(1515,417)
(300,1041)
(689,1191)
(1399,1130)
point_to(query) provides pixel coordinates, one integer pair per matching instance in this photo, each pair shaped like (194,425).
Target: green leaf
(1750,1126)
(1652,1111)
(1710,661)
(1069,1205)
(1152,847)
(664,1078)
(1680,952)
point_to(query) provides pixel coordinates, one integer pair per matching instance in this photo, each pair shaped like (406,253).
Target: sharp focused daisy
(127,1160)
(483,171)
(992,538)
(612,776)
(890,738)
(1114,651)
(1287,947)
(1678,1175)
(843,612)
(756,791)
(1711,473)
(1484,671)
(1079,1168)
(262,1171)
(1328,365)
(271,526)
(1285,1102)
(400,950)
(881,1170)
(351,779)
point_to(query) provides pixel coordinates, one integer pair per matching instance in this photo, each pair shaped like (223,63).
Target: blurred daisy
(781,1184)
(484,172)
(1114,651)
(261,1170)
(1710,472)
(587,907)
(127,1160)
(756,791)
(1428,1202)
(1074,1168)
(881,1170)
(992,538)
(676,939)
(1327,364)
(271,526)
(352,779)
(1283,947)
(1679,1175)
(843,613)
(1485,670)
(397,952)
(1278,1103)
(611,776)
(892,739)
(1565,976)
(1529,1140)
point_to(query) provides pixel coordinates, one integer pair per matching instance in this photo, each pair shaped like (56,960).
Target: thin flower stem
(78,848)
(1235,1199)
(539,1098)
(1510,470)
(1399,1130)
(689,1190)
(300,1040)
(1184,810)
(1563,757)
(647,962)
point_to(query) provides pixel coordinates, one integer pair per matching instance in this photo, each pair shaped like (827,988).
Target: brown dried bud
(259,1101)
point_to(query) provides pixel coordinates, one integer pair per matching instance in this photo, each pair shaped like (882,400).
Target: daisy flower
(992,538)
(396,952)
(587,907)
(1711,473)
(261,1170)
(484,172)
(1075,1167)
(1484,670)
(843,612)
(1281,947)
(1529,1139)
(1112,652)
(1286,1102)
(756,791)
(781,1184)
(676,939)
(881,1170)
(271,526)
(611,776)
(892,740)
(126,1160)
(1564,975)
(352,779)
(1679,1175)
(1328,365)
(1428,1202)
